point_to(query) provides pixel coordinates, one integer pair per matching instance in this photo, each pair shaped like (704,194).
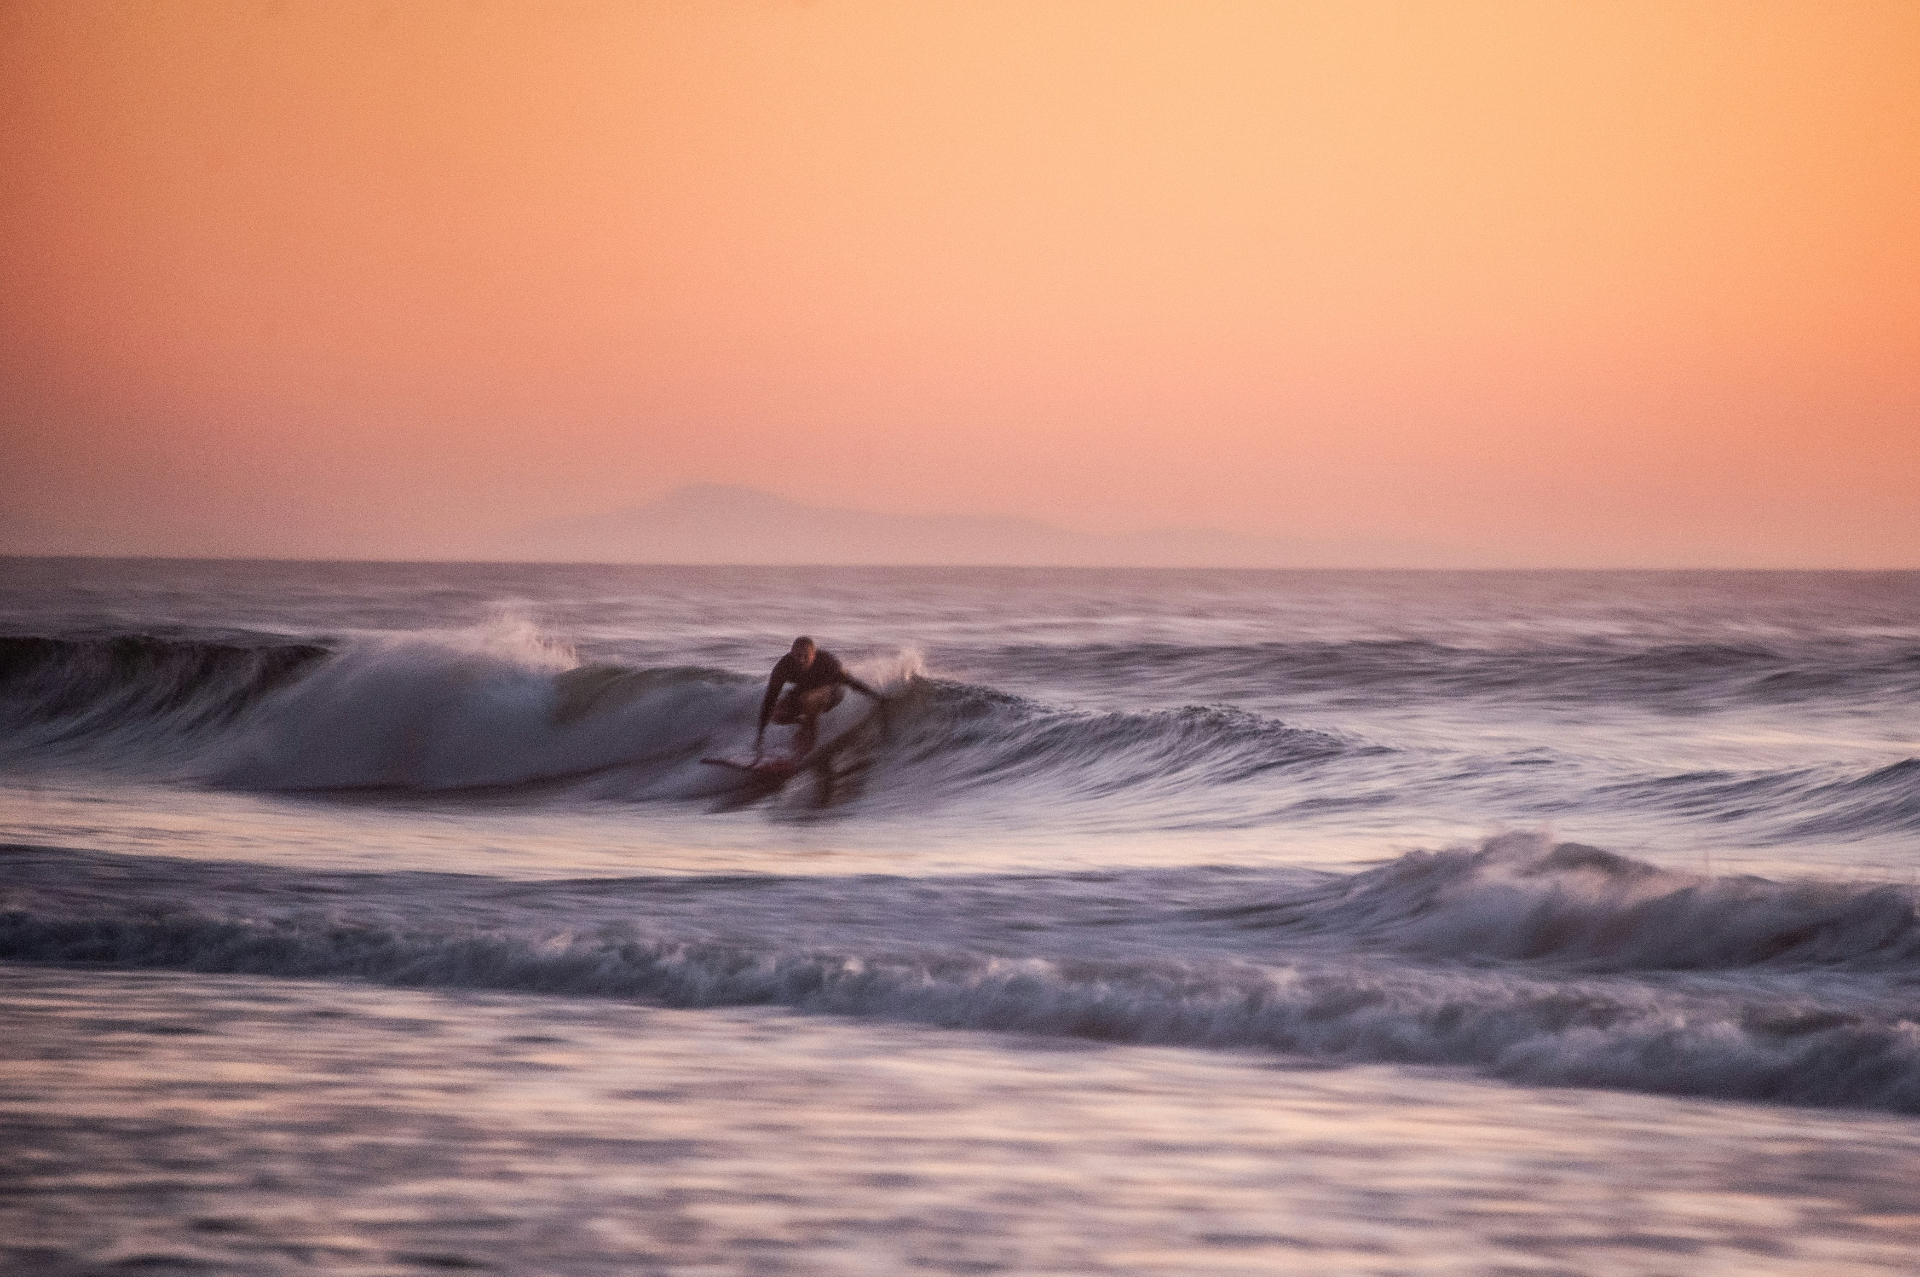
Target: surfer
(819,683)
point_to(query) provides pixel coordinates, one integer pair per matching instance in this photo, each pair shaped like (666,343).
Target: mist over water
(1654,834)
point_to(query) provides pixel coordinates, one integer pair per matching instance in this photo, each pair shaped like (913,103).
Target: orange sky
(1581,284)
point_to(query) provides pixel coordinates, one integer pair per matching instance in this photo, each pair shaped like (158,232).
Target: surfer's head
(803,650)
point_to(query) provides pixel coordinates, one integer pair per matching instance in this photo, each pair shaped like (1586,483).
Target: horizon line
(1009,567)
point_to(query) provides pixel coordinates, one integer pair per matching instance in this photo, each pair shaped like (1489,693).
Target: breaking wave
(501,708)
(1457,958)
(1519,897)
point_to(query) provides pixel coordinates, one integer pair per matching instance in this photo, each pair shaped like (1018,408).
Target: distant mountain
(716,523)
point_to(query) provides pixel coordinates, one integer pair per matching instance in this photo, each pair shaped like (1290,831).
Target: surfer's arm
(775,681)
(860,687)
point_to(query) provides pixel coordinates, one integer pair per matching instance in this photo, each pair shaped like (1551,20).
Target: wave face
(1520,959)
(499,709)
(57,690)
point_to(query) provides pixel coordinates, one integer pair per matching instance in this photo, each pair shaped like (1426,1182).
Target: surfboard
(766,768)
(780,768)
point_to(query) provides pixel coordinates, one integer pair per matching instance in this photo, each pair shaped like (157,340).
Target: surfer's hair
(804,641)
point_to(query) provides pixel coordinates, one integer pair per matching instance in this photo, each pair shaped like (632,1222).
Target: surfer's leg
(810,705)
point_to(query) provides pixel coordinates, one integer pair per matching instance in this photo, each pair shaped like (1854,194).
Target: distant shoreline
(957,567)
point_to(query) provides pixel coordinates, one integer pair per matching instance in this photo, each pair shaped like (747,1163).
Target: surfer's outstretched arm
(775,681)
(860,687)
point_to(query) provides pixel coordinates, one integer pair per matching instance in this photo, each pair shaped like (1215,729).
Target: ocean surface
(382,918)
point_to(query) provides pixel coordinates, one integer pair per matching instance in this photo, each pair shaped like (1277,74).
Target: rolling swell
(924,951)
(951,738)
(1678,676)
(1819,803)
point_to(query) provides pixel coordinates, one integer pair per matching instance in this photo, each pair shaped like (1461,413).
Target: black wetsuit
(825,670)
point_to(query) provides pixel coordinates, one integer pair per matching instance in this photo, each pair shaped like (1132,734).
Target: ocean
(382,918)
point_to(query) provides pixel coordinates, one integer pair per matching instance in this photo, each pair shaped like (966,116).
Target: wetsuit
(825,670)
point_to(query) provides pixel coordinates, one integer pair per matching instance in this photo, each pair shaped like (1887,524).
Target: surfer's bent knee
(797,705)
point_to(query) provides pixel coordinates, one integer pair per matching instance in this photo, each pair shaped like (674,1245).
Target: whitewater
(382,917)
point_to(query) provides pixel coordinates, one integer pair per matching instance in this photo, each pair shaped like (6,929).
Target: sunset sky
(1607,284)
